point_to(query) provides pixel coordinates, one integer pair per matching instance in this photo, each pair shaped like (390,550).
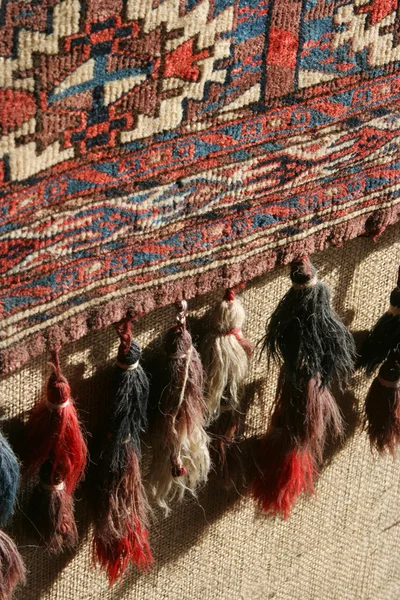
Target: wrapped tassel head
(58,389)
(178,342)
(303,273)
(229,314)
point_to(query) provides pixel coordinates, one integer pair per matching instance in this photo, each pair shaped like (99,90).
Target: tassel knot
(178,470)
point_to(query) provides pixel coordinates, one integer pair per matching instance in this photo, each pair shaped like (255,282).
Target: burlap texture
(341,544)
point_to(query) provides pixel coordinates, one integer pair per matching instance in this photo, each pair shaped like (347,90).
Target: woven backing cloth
(151,147)
(342,544)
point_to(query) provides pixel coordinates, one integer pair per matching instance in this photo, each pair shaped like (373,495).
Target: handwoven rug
(151,148)
(342,544)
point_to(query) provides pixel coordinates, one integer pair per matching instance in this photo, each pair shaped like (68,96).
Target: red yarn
(55,433)
(246,345)
(282,476)
(124,330)
(115,556)
(229,295)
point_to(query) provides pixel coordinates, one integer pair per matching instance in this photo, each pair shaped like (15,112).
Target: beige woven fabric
(343,544)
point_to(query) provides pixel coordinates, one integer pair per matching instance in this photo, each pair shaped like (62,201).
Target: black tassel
(121,520)
(316,348)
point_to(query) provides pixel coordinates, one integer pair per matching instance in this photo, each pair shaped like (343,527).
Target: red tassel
(316,349)
(53,430)
(55,445)
(382,408)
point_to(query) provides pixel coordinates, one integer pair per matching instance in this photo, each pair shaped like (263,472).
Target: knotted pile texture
(153,146)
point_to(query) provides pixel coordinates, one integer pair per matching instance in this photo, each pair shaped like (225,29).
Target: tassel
(382,347)
(181,459)
(225,355)
(384,338)
(51,510)
(12,568)
(120,534)
(382,407)
(55,446)
(316,348)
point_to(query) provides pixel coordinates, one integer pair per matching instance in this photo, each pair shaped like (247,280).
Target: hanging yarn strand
(181,459)
(225,352)
(55,447)
(12,569)
(316,348)
(121,520)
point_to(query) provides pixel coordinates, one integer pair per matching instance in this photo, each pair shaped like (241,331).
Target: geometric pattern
(153,146)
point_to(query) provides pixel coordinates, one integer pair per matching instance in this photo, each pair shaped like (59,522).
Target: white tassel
(226,355)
